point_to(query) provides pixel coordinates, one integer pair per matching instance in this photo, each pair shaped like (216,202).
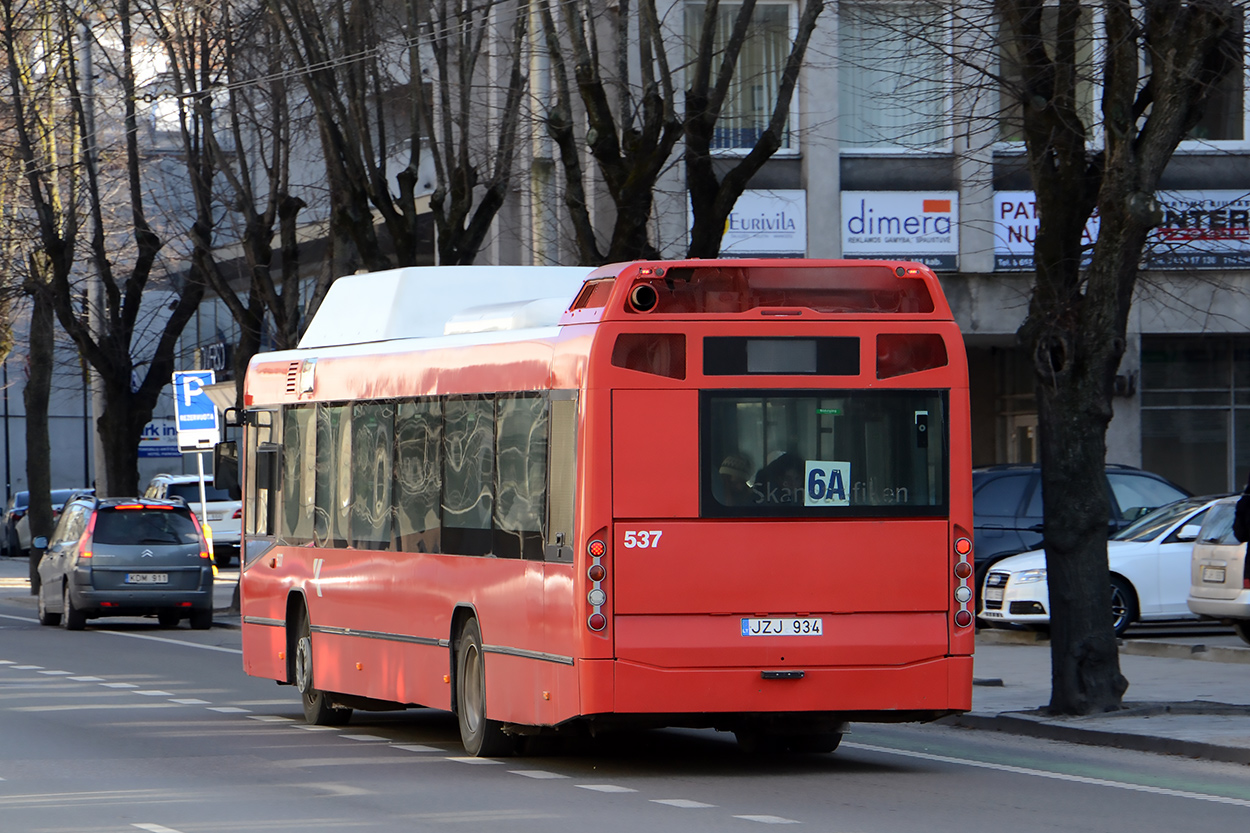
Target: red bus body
(685,572)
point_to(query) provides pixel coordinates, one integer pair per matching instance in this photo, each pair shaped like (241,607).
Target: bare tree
(1159,65)
(712,76)
(84,180)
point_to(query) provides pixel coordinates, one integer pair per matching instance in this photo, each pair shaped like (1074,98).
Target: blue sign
(195,415)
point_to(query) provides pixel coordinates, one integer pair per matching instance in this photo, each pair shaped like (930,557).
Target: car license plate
(993,594)
(215,516)
(147,578)
(810,626)
(1214,575)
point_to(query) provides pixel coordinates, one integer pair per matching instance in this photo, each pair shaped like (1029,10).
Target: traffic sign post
(199,430)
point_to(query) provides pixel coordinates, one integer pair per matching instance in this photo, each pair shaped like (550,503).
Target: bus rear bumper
(915,692)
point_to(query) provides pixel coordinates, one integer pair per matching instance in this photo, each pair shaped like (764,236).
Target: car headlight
(1028,576)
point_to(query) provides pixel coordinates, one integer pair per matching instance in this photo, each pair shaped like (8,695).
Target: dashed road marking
(87,679)
(228,709)
(767,819)
(538,774)
(189,701)
(415,747)
(57,673)
(683,803)
(154,693)
(606,788)
(26,667)
(270,718)
(364,738)
(155,828)
(119,685)
(468,759)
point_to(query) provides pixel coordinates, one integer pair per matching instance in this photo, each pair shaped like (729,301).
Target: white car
(225,515)
(1149,562)
(1219,584)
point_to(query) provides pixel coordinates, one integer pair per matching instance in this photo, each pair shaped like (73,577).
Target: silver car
(1219,574)
(126,557)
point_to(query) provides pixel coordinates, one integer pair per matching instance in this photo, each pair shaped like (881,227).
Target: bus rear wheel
(319,709)
(481,736)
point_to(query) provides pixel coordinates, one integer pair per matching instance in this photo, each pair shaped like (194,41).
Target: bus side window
(521,475)
(561,477)
(263,482)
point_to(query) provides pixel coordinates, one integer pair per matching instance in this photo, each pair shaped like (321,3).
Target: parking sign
(195,415)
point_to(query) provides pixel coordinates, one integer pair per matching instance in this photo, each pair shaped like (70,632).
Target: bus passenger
(781,481)
(735,490)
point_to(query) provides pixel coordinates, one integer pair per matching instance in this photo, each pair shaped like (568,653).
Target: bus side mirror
(226,469)
(232,417)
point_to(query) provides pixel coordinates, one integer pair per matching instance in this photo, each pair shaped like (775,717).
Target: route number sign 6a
(827,483)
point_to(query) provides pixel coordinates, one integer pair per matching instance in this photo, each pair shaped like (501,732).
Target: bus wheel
(482,737)
(319,710)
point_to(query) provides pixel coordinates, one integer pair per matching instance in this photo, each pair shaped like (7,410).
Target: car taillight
(238,513)
(85,542)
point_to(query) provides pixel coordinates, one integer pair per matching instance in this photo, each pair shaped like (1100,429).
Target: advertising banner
(768,223)
(902,225)
(160,439)
(1200,230)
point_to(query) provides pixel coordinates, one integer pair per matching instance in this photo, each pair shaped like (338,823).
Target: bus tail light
(965,595)
(596,596)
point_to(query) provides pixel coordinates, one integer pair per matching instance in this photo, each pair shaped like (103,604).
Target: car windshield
(144,526)
(1151,525)
(190,492)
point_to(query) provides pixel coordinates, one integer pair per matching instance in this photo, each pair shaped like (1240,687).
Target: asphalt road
(127,727)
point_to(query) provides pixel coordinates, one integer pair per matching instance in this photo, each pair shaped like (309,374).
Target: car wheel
(201,620)
(319,709)
(47,617)
(72,619)
(1123,605)
(168,618)
(1242,628)
(481,736)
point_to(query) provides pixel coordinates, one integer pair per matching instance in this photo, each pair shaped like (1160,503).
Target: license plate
(1214,575)
(993,594)
(147,578)
(811,626)
(215,516)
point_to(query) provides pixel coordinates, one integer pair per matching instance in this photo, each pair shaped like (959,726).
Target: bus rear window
(827,289)
(840,453)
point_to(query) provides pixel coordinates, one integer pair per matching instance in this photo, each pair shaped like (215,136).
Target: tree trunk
(38,440)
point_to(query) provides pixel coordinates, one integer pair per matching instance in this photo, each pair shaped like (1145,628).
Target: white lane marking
(87,679)
(93,707)
(767,819)
(228,709)
(57,673)
(536,773)
(189,701)
(605,788)
(467,759)
(270,718)
(6,661)
(683,803)
(26,667)
(1057,776)
(364,738)
(119,685)
(413,747)
(154,693)
(308,728)
(155,828)
(180,642)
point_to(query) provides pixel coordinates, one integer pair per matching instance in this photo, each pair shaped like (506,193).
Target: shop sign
(159,439)
(902,225)
(769,223)
(1199,230)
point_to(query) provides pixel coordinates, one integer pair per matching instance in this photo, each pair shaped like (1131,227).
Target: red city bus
(728,493)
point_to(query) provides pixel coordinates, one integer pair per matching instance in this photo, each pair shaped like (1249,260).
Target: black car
(126,557)
(1007,506)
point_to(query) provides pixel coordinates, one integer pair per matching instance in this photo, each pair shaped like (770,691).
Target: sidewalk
(1184,697)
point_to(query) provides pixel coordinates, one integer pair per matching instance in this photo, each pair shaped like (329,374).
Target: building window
(893,76)
(1195,415)
(1011,110)
(1225,116)
(753,91)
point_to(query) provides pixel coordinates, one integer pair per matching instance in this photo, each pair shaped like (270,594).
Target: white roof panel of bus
(419,301)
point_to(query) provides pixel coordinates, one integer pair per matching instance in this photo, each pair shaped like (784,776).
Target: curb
(1020,724)
(1145,648)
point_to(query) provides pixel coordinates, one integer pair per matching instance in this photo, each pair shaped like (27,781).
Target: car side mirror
(1189,532)
(39,542)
